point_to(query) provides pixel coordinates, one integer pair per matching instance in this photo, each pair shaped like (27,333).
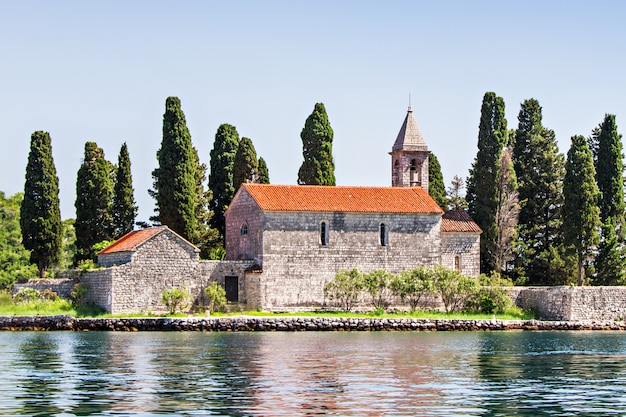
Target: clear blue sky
(101,71)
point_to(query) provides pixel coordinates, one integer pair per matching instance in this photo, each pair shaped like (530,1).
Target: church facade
(300,236)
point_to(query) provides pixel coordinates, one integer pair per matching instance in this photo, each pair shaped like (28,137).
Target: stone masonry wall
(573,303)
(464,245)
(63,287)
(296,266)
(248,246)
(99,283)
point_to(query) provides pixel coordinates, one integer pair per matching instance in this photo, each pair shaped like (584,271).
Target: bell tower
(409,156)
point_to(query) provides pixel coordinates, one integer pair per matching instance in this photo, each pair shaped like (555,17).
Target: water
(313,374)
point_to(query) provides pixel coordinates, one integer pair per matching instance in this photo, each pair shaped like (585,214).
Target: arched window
(383,235)
(324,233)
(415,173)
(244,229)
(457,263)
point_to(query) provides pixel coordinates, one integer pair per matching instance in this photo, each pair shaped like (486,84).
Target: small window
(383,234)
(457,263)
(244,229)
(324,233)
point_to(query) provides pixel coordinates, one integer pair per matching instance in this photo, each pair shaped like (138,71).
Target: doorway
(231,285)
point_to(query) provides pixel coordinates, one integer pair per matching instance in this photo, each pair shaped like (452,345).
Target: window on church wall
(384,238)
(244,229)
(416,173)
(457,263)
(324,233)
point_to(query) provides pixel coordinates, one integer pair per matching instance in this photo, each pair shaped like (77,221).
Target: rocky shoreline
(256,324)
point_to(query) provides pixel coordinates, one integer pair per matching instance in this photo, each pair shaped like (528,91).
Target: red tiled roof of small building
(131,240)
(347,199)
(458,221)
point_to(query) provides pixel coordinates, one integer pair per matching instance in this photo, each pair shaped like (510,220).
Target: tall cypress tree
(436,186)
(221,176)
(318,167)
(124,208)
(581,215)
(610,263)
(610,170)
(482,184)
(246,165)
(94,196)
(175,183)
(264,174)
(540,169)
(40,213)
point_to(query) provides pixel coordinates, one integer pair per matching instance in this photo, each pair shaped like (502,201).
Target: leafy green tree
(378,284)
(15,258)
(40,214)
(455,289)
(456,200)
(221,176)
(610,263)
(205,237)
(68,250)
(345,288)
(216,294)
(175,299)
(581,215)
(609,171)
(436,186)
(264,174)
(318,167)
(411,285)
(540,169)
(482,185)
(124,208)
(245,167)
(94,196)
(175,180)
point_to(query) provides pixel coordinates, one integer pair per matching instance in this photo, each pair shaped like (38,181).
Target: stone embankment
(244,324)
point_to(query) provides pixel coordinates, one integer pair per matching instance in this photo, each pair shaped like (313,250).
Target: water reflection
(313,374)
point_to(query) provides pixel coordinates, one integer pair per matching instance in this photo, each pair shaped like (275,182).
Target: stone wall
(99,284)
(573,303)
(63,287)
(245,212)
(296,265)
(465,246)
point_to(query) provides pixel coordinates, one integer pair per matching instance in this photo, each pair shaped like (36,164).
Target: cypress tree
(221,176)
(482,184)
(318,167)
(245,167)
(540,169)
(124,208)
(610,263)
(581,215)
(40,214)
(609,171)
(436,186)
(175,182)
(94,196)
(264,174)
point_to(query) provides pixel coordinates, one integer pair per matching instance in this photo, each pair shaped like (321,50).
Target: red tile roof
(458,221)
(342,199)
(131,240)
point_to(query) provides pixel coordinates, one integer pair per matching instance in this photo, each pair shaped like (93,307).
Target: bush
(456,290)
(48,294)
(345,288)
(216,295)
(78,294)
(491,298)
(413,284)
(175,299)
(26,294)
(378,285)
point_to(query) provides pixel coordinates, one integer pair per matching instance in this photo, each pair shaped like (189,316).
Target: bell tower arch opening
(409,156)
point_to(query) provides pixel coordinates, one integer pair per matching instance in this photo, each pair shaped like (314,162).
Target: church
(284,243)
(299,236)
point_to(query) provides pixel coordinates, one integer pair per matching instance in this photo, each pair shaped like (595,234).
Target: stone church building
(285,242)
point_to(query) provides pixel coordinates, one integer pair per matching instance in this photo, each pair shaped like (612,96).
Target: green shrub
(78,294)
(378,285)
(26,294)
(411,285)
(345,288)
(216,295)
(175,299)
(456,290)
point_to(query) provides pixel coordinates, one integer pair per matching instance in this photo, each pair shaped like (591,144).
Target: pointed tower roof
(410,137)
